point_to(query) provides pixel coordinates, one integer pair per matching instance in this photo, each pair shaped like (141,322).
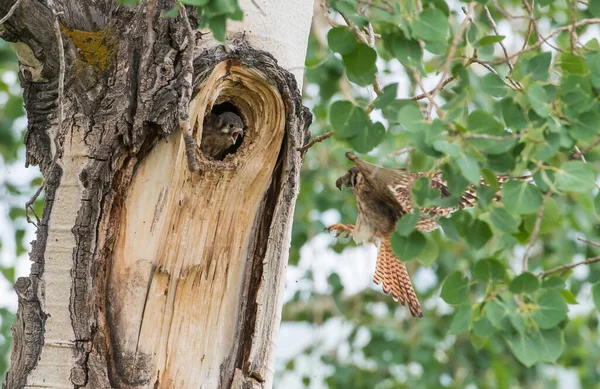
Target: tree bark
(145,274)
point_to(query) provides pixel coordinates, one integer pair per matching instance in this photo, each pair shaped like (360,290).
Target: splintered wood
(178,270)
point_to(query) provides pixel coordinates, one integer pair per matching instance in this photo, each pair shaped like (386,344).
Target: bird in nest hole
(220,134)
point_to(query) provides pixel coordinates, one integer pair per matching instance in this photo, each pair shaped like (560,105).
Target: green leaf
(483,327)
(478,234)
(489,40)
(9,273)
(449,229)
(538,66)
(539,100)
(407,247)
(575,176)
(341,40)
(481,122)
(513,115)
(536,346)
(432,25)
(586,126)
(407,51)
(218,26)
(551,309)
(524,283)
(593,60)
(493,85)
(576,92)
(553,283)
(597,203)
(347,119)
(469,168)
(572,64)
(430,253)
(594,7)
(504,221)
(451,149)
(410,116)
(596,295)
(360,65)
(389,94)
(197,3)
(228,8)
(521,197)
(423,192)
(128,3)
(406,224)
(460,321)
(496,313)
(455,288)
(569,297)
(173,12)
(489,270)
(369,138)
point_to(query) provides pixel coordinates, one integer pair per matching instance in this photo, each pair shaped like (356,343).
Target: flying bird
(220,133)
(383,196)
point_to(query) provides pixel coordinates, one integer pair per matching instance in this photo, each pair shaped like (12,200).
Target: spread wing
(428,219)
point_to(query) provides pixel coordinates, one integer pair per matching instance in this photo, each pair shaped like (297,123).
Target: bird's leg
(341,229)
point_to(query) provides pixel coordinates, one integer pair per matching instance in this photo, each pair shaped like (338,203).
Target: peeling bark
(144,274)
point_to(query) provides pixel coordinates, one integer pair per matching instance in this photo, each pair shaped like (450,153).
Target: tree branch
(565,268)
(455,42)
(10,12)
(61,87)
(314,140)
(186,92)
(495,28)
(536,230)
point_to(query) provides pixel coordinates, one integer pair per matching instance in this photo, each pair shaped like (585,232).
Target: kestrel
(383,196)
(220,133)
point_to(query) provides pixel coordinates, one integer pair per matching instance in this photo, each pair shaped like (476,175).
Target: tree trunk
(146,274)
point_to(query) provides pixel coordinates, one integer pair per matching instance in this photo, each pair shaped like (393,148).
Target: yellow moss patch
(96,48)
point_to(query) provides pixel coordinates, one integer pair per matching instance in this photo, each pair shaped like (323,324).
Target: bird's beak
(339,182)
(236,134)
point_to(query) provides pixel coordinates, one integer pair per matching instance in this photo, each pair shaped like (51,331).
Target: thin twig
(536,230)
(565,268)
(186,92)
(493,137)
(589,148)
(59,98)
(314,140)
(572,32)
(495,28)
(507,14)
(10,12)
(507,81)
(594,244)
(424,95)
(398,153)
(580,154)
(417,78)
(446,67)
(580,23)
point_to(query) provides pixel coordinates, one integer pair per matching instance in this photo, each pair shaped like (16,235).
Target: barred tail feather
(394,279)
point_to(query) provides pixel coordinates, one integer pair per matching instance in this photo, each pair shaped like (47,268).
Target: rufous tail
(394,278)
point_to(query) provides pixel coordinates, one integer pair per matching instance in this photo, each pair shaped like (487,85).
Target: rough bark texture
(122,87)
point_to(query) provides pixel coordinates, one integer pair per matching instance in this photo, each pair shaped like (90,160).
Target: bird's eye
(231,126)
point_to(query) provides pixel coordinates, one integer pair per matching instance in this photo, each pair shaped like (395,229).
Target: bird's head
(232,125)
(350,179)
